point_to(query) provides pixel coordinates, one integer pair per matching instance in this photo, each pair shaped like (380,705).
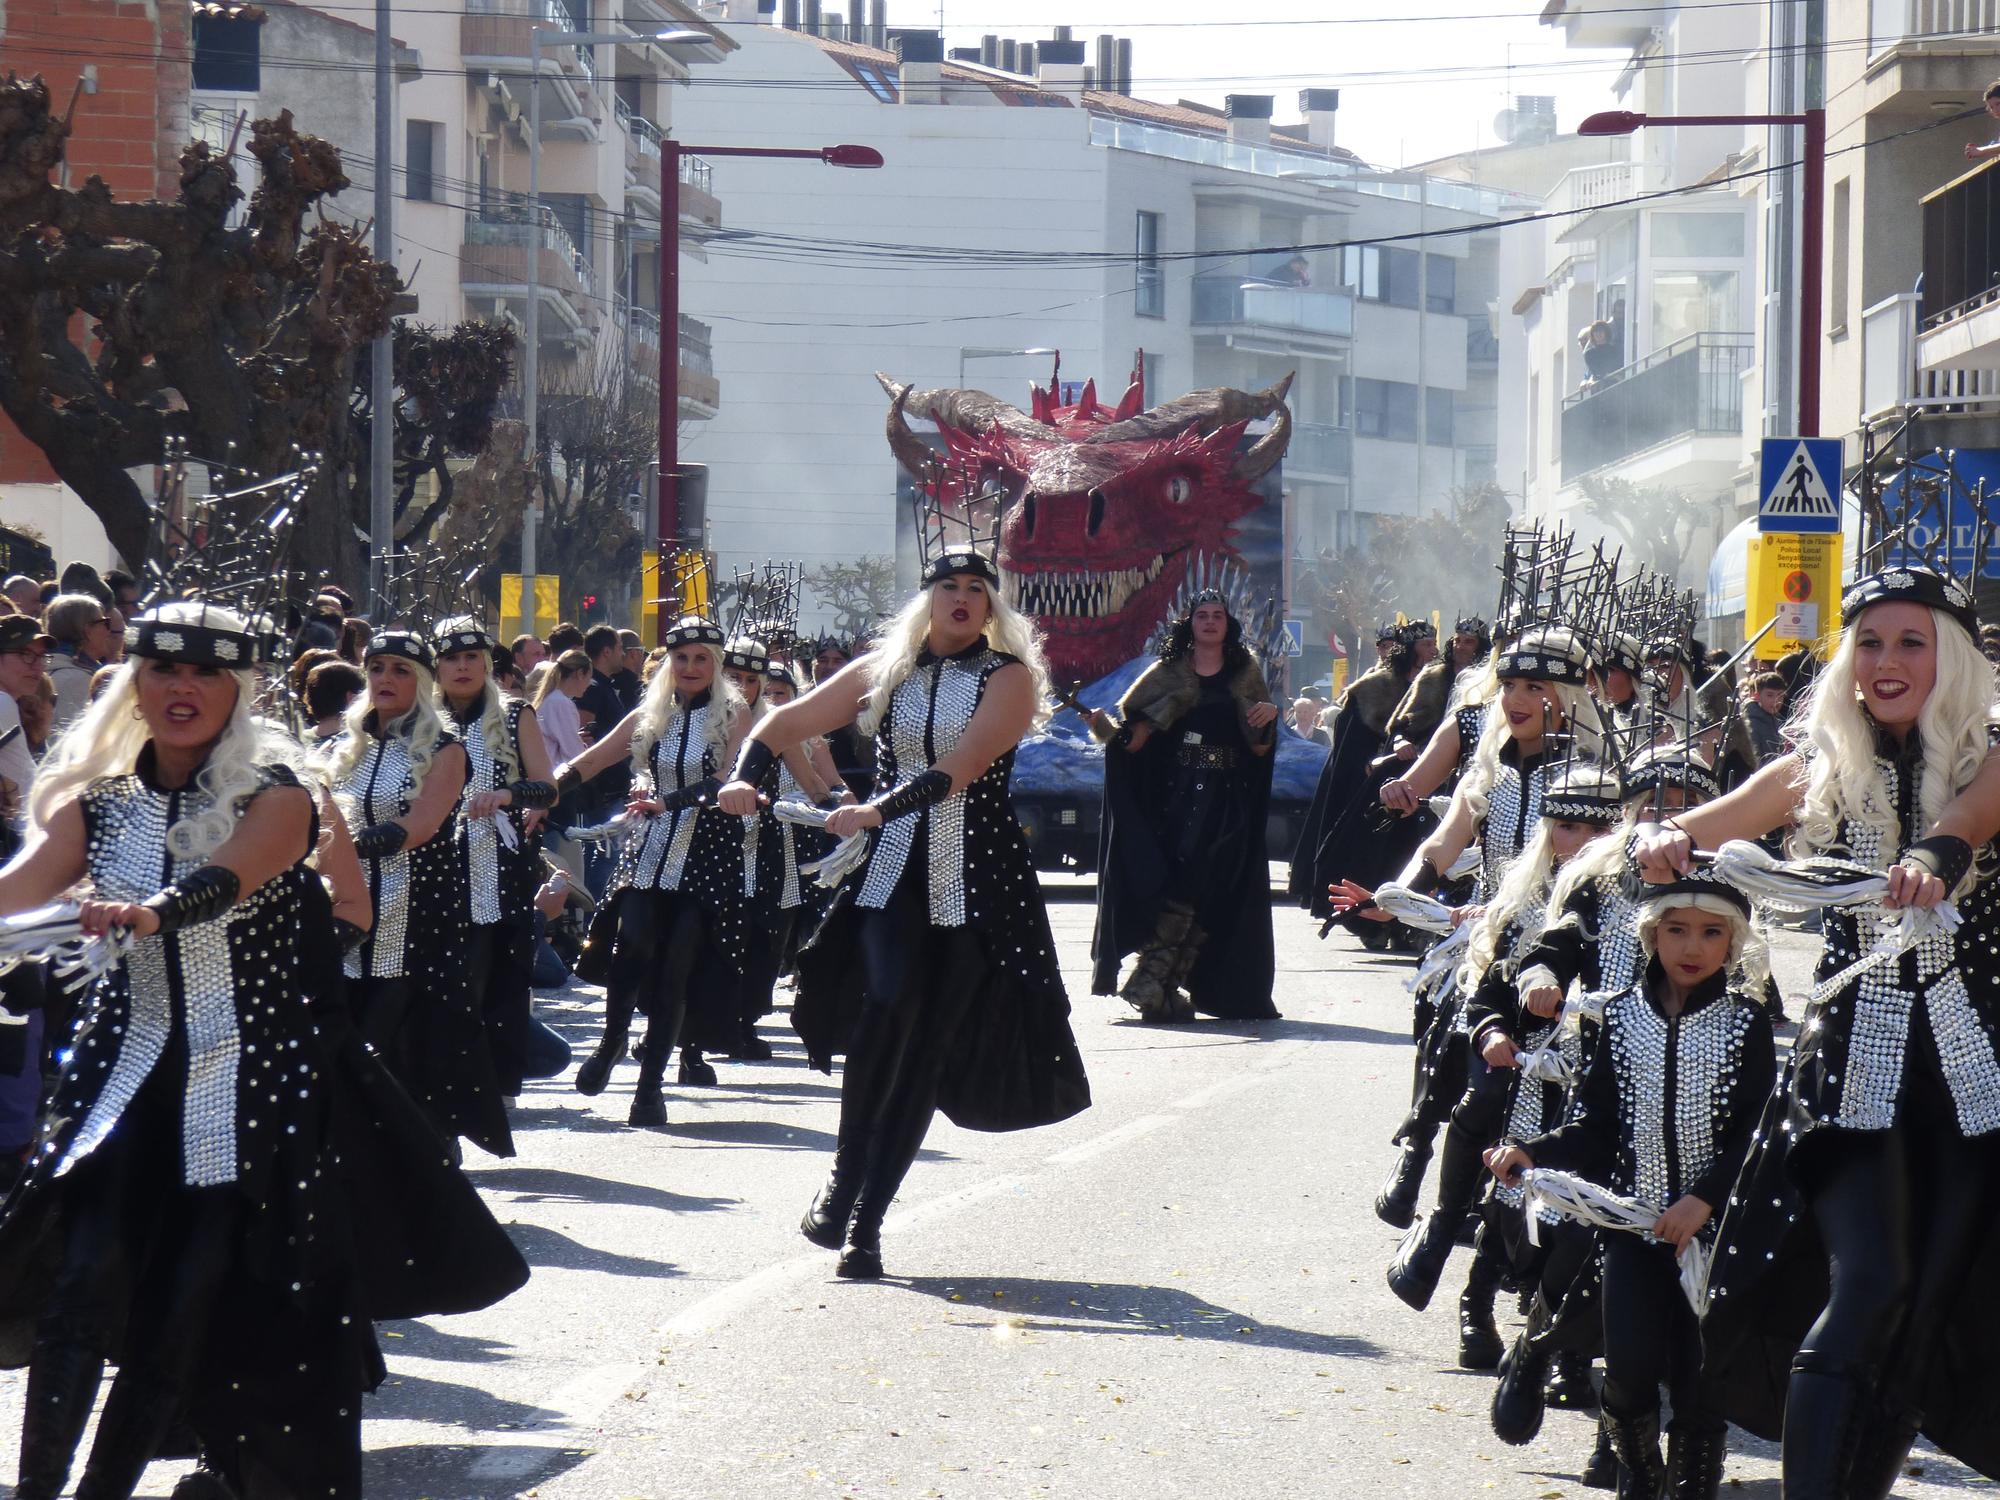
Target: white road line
(568,1419)
(1110,1140)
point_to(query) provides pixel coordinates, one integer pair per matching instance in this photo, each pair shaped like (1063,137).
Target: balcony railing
(1319,449)
(698,174)
(644,134)
(697,350)
(1690,387)
(511,224)
(1891,22)
(1231,299)
(1891,378)
(1961,245)
(645,327)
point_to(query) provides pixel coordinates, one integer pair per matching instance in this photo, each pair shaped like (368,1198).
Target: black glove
(380,840)
(694,794)
(928,787)
(196,897)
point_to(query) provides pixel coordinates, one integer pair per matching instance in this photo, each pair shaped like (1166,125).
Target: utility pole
(382,432)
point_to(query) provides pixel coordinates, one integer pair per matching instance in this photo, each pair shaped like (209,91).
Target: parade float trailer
(1108,519)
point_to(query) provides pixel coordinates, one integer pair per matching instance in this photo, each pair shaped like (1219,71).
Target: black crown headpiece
(958,530)
(1700,881)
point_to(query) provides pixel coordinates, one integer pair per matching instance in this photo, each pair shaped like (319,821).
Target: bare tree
(598,437)
(861,593)
(1658,525)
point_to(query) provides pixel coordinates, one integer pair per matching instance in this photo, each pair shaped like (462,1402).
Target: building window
(420,159)
(1535,422)
(1387,409)
(1438,411)
(1150,366)
(226,52)
(1384,273)
(1691,302)
(1697,236)
(1150,299)
(1843,229)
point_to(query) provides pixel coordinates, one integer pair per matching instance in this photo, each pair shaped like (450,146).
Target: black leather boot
(1420,1259)
(1883,1453)
(1479,1342)
(1570,1387)
(1518,1399)
(595,1070)
(1694,1461)
(861,1252)
(1396,1204)
(825,1222)
(205,1483)
(136,1417)
(1826,1409)
(1601,1471)
(62,1388)
(1636,1441)
(649,1105)
(1147,990)
(695,1069)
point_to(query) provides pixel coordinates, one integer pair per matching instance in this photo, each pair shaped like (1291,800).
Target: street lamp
(531,361)
(671,152)
(1812,211)
(975,353)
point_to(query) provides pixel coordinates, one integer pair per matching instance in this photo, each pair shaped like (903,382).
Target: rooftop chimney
(1319,106)
(1106,60)
(857,20)
(989,51)
(1059,67)
(1249,117)
(836,29)
(878,23)
(1125,65)
(1009,56)
(1026,58)
(812,18)
(922,71)
(1064,33)
(790,15)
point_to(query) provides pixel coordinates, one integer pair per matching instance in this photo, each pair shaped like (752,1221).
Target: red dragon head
(1104,509)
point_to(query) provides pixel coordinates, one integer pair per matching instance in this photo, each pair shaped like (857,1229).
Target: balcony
(642,138)
(499,239)
(1482,344)
(1585,190)
(700,394)
(1923,53)
(493,40)
(1231,302)
(1319,452)
(1894,375)
(1604,23)
(1690,391)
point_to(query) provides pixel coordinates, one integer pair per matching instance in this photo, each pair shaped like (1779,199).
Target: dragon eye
(1180,489)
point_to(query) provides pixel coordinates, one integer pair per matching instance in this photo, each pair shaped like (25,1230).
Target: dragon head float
(1105,511)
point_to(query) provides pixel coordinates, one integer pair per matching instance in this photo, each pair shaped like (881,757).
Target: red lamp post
(1812,297)
(671,152)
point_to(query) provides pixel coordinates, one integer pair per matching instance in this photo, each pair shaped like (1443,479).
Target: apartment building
(1652,243)
(1081,219)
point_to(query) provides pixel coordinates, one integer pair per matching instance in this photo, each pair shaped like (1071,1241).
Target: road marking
(568,1419)
(1110,1140)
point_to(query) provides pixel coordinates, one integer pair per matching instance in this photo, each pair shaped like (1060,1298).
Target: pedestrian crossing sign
(1295,637)
(1799,489)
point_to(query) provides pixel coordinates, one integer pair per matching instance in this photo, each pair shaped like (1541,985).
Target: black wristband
(348,935)
(753,762)
(567,780)
(829,802)
(197,897)
(1944,856)
(928,787)
(694,794)
(531,794)
(380,840)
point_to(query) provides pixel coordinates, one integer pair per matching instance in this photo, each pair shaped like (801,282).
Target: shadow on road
(427,1471)
(1285,1029)
(542,1246)
(445,1403)
(421,1341)
(550,1185)
(1115,1307)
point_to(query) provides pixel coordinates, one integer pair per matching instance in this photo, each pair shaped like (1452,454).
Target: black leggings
(1902,1213)
(1651,1337)
(660,937)
(498,957)
(760,973)
(917,983)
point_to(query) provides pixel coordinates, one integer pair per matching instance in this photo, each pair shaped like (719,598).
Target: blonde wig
(1525,884)
(904,638)
(1841,781)
(105,740)
(420,728)
(1749,963)
(1578,719)
(659,710)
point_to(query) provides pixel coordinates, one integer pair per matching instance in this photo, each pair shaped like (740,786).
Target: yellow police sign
(1793,576)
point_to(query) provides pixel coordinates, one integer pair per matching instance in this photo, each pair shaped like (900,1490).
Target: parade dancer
(399,775)
(186,1210)
(934,970)
(676,907)
(1874,1158)
(508,777)
(1664,1116)
(1187,778)
(1496,806)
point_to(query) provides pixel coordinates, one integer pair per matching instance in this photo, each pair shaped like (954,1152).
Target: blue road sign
(1800,485)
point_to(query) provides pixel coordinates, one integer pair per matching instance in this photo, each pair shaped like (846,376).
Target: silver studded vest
(378,790)
(1676,1079)
(680,758)
(788,890)
(1854,1046)
(927,716)
(478,837)
(225,985)
(1513,807)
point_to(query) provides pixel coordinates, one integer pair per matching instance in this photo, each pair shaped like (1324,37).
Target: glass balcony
(1233,300)
(1688,388)
(1319,449)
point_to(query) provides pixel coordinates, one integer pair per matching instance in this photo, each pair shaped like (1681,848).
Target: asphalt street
(1178,1293)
